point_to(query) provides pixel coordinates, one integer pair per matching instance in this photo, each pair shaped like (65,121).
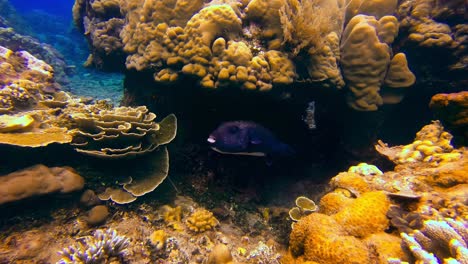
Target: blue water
(55,7)
(51,22)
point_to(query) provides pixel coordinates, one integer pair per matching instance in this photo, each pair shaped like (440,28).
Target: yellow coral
(36,139)
(14,123)
(365,215)
(158,239)
(171,214)
(360,43)
(335,201)
(320,238)
(201,220)
(387,246)
(350,181)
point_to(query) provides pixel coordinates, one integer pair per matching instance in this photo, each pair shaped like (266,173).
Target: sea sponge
(386,246)
(201,220)
(365,215)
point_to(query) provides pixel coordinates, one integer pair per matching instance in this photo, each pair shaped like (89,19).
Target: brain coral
(320,238)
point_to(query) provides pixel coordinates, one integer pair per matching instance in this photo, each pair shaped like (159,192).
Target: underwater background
(233,131)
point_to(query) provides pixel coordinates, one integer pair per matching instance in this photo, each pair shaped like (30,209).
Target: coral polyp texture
(415,213)
(104,246)
(255,45)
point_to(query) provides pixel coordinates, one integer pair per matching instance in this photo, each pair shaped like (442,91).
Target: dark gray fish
(247,138)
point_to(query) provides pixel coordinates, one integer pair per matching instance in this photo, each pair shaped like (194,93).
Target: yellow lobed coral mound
(365,215)
(386,245)
(364,60)
(320,238)
(333,202)
(351,182)
(201,220)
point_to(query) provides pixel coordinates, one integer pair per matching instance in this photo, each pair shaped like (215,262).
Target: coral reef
(255,45)
(358,221)
(103,246)
(38,117)
(38,180)
(432,145)
(434,34)
(438,241)
(452,110)
(17,42)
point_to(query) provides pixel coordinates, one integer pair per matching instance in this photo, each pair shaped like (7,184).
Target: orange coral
(320,238)
(386,245)
(350,181)
(333,202)
(366,215)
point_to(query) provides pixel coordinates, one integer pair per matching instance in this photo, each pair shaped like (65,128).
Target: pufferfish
(247,138)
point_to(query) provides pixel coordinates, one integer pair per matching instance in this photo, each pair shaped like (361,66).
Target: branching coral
(438,241)
(103,246)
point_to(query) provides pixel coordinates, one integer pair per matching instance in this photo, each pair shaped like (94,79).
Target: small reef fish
(247,138)
(309,117)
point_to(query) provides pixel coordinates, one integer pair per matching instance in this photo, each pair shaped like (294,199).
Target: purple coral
(102,246)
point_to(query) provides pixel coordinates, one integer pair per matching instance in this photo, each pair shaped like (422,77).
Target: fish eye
(233,129)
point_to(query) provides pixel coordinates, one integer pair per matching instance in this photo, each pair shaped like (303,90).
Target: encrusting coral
(38,180)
